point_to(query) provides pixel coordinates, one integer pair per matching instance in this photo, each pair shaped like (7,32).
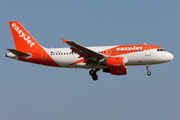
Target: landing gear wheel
(92,72)
(94,77)
(148,73)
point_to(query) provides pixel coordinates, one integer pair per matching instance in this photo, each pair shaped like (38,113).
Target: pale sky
(34,92)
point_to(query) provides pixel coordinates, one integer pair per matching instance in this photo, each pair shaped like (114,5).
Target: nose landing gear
(93,74)
(148,67)
(148,73)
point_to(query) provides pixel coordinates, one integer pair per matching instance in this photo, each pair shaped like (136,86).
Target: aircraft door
(43,55)
(147,50)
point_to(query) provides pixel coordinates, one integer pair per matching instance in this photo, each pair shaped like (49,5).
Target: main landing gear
(93,74)
(148,72)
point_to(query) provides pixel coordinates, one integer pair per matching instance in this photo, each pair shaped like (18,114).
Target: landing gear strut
(148,67)
(93,74)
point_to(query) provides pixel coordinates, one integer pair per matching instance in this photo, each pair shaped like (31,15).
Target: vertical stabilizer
(27,48)
(22,39)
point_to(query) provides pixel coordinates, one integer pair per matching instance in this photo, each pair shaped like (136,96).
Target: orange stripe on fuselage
(125,49)
(80,61)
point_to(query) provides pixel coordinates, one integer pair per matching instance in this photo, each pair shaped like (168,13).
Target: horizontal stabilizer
(19,53)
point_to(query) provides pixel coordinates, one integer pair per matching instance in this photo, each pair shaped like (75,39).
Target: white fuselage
(64,57)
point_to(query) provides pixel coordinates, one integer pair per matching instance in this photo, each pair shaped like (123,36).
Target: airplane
(111,59)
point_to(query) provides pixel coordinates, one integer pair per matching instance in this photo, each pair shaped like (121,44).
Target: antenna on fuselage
(145,43)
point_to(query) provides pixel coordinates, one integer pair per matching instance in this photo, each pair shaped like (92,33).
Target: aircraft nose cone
(170,56)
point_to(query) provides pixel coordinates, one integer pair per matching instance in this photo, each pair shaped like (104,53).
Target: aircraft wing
(82,51)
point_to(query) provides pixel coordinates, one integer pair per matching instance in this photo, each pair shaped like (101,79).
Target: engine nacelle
(117,70)
(114,62)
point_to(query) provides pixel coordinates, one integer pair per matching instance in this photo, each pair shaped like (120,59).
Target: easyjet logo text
(23,35)
(130,48)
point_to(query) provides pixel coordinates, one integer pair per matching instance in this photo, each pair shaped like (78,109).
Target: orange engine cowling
(113,62)
(116,70)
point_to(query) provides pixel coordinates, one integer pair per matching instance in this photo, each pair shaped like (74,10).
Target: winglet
(64,41)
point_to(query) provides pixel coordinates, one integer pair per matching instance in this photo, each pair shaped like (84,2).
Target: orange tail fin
(22,39)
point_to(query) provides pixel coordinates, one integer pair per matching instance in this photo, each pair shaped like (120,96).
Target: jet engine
(112,62)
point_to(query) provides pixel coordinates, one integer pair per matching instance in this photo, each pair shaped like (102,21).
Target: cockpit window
(161,50)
